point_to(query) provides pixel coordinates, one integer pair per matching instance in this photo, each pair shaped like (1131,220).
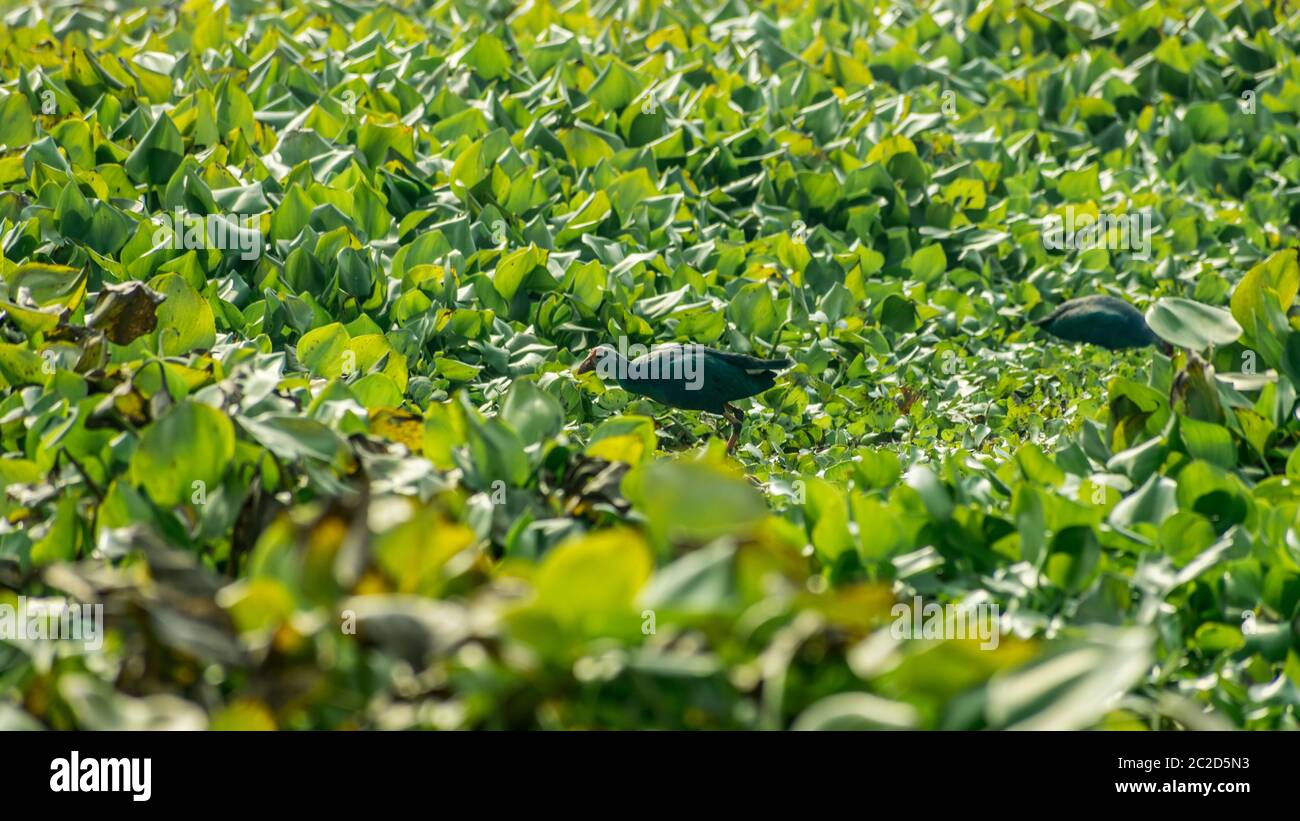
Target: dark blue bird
(690,377)
(1100,320)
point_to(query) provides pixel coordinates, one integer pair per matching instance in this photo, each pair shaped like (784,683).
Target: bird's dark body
(1099,320)
(693,377)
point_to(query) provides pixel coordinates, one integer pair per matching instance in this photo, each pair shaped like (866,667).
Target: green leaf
(1208,441)
(1153,502)
(184,318)
(929,263)
(693,500)
(753,310)
(17,125)
(184,452)
(857,711)
(322,350)
(1073,686)
(616,86)
(157,156)
(627,439)
(19,366)
(827,513)
(45,285)
(517,269)
(496,453)
(588,584)
(930,490)
(1081,185)
(531,412)
(880,531)
(1279,274)
(702,581)
(1189,324)
(488,57)
(454,369)
(376,390)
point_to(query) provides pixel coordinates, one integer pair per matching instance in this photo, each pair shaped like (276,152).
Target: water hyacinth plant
(337,466)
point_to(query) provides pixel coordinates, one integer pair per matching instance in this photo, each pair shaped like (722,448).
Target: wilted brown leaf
(126,312)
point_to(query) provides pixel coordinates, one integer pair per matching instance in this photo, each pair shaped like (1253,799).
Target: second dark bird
(1101,320)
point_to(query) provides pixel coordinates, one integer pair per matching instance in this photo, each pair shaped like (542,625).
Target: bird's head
(594,359)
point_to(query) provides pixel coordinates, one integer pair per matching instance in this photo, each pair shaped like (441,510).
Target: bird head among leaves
(594,359)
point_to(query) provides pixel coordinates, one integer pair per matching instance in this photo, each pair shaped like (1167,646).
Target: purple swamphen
(1101,320)
(690,377)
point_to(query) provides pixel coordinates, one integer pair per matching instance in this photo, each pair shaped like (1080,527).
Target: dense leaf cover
(338,471)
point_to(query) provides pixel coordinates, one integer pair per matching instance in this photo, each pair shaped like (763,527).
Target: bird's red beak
(588,364)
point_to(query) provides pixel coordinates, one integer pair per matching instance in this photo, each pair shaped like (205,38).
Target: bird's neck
(615,366)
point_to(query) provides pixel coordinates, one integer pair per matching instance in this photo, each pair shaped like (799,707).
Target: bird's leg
(681,433)
(732,414)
